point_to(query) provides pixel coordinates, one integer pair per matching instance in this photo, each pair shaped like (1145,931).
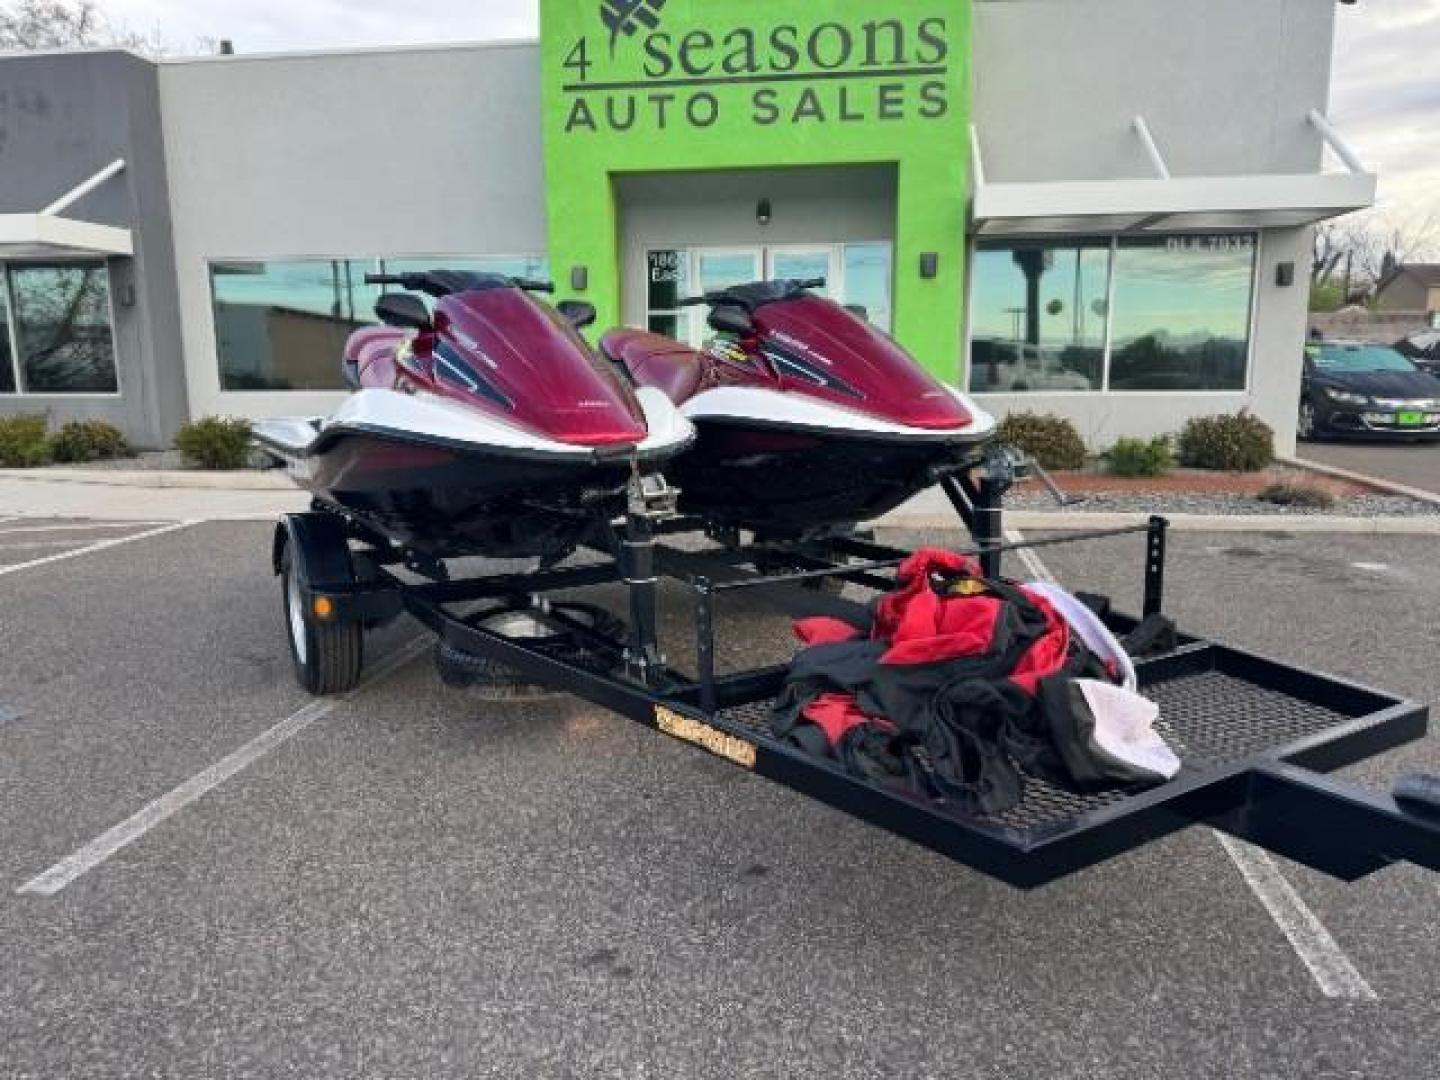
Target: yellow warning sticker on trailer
(703,735)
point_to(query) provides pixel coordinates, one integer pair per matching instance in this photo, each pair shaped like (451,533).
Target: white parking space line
(202,783)
(1332,970)
(32,545)
(93,526)
(1038,570)
(101,545)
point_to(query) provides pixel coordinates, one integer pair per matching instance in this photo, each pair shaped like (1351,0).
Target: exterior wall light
(1285,275)
(930,264)
(764,212)
(579,278)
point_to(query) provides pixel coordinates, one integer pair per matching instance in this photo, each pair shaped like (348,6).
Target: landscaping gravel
(1232,505)
(147,461)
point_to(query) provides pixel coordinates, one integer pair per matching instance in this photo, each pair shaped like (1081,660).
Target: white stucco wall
(1225,86)
(418,152)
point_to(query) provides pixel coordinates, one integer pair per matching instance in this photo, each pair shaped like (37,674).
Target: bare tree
(1331,246)
(1355,254)
(28,25)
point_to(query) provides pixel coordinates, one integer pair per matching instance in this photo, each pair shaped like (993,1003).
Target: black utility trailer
(1256,735)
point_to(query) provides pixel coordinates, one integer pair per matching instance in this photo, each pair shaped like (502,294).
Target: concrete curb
(1387,486)
(197,480)
(1288,523)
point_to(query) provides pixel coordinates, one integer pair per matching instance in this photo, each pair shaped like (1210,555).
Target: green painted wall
(637,86)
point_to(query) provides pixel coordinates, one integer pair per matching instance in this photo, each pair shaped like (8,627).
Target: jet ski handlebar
(439,283)
(754,294)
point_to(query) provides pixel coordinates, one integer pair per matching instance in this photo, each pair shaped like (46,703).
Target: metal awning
(1165,203)
(45,234)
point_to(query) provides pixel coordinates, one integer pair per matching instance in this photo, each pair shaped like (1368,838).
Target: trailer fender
(318,548)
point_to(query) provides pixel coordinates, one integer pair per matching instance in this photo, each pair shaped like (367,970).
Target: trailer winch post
(989,526)
(1155,536)
(643,660)
(705,643)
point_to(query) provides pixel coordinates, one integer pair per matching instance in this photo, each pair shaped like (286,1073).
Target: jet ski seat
(364,347)
(674,369)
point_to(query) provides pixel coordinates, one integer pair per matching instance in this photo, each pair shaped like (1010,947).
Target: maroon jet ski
(809,418)
(486,426)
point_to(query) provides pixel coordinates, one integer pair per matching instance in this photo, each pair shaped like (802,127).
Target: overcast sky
(1387,78)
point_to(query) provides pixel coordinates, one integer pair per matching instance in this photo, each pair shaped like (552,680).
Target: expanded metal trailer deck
(1256,736)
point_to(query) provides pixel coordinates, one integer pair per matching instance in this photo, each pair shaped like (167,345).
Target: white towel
(1087,624)
(1125,728)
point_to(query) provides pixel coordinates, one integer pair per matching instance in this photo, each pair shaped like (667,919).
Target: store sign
(658,65)
(683,87)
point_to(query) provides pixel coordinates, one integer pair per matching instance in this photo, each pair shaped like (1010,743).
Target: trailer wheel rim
(520,625)
(295,610)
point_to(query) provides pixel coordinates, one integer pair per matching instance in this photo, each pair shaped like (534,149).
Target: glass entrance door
(719,268)
(806,263)
(856,274)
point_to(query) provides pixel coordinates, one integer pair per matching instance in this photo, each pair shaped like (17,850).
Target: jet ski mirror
(728,319)
(860,311)
(580,313)
(402,309)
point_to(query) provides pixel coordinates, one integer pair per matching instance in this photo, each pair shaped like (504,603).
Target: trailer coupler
(1335,827)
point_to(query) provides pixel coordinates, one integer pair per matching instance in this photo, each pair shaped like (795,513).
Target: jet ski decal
(785,361)
(453,367)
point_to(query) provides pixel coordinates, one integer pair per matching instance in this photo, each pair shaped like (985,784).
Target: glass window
(1358,359)
(7,357)
(803,264)
(1181,317)
(1182,313)
(62,326)
(868,272)
(283,325)
(667,282)
(1038,315)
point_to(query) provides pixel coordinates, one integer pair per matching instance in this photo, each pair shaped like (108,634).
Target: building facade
(1099,208)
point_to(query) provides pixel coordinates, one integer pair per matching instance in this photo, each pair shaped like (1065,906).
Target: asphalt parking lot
(421,883)
(1415,465)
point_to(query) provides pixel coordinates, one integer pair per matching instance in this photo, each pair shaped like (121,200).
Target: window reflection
(283,325)
(7,357)
(1181,318)
(868,269)
(1038,318)
(62,325)
(1182,313)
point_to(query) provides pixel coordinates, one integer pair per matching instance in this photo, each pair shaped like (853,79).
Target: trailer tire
(465,671)
(328,656)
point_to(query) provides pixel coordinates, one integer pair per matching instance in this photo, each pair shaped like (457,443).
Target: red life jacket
(944,609)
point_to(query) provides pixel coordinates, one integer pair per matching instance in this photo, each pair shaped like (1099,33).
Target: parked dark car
(1423,348)
(1359,388)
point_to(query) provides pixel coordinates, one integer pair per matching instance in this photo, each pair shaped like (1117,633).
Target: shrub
(1239,443)
(22,441)
(1136,457)
(1051,440)
(88,440)
(1304,496)
(215,442)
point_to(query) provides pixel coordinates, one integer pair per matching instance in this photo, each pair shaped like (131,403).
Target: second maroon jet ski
(809,419)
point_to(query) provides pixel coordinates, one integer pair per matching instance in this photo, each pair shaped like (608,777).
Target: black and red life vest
(951,690)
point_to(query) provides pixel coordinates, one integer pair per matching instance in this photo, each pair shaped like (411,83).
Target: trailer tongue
(1256,736)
